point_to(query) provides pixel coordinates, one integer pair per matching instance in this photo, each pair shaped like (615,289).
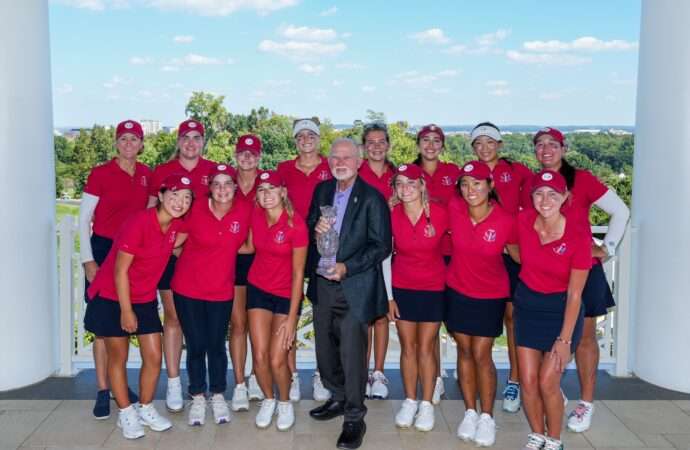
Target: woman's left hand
(286,332)
(560,352)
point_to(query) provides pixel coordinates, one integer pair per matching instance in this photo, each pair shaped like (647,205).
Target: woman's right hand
(393,311)
(90,270)
(128,321)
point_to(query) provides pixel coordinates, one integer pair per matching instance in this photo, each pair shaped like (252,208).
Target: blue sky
(448,62)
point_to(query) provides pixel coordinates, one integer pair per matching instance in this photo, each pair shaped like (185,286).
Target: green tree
(209,110)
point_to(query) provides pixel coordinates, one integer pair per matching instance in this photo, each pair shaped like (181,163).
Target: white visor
(486,130)
(306,124)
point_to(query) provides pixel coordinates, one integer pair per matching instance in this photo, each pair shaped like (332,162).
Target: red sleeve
(93,183)
(593,187)
(582,257)
(526,192)
(300,237)
(130,239)
(156,181)
(512,230)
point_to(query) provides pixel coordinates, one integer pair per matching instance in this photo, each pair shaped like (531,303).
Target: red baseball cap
(271,177)
(411,171)
(222,169)
(190,125)
(549,178)
(476,169)
(249,142)
(431,128)
(131,127)
(176,182)
(554,133)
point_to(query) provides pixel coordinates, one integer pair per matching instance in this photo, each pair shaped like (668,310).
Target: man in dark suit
(352,294)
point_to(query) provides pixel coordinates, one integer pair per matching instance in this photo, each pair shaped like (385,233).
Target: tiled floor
(67,424)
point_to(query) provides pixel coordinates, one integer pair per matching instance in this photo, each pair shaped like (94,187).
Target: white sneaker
(552,444)
(255,392)
(486,431)
(197,411)
(173,396)
(240,398)
(379,389)
(286,416)
(266,412)
(150,418)
(468,427)
(295,392)
(321,394)
(580,418)
(128,420)
(405,416)
(535,441)
(511,397)
(424,421)
(439,390)
(221,412)
(367,388)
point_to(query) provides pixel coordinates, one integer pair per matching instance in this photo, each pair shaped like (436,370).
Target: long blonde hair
(426,206)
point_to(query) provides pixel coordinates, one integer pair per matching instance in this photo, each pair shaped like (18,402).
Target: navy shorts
(513,270)
(596,296)
(100,246)
(256,298)
(539,318)
(419,306)
(166,278)
(242,265)
(474,316)
(102,318)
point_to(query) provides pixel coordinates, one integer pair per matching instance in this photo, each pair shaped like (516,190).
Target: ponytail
(568,173)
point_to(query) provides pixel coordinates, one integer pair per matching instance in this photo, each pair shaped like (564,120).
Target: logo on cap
(192,125)
(264,176)
(185,181)
(403,168)
(490,235)
(129,125)
(469,168)
(249,141)
(545,130)
(547,177)
(222,167)
(235,227)
(432,127)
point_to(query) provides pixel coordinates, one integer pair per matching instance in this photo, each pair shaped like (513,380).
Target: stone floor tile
(682,404)
(650,416)
(654,440)
(252,438)
(681,441)
(17,425)
(35,405)
(608,431)
(435,441)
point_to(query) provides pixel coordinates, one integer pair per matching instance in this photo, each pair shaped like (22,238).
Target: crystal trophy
(327,243)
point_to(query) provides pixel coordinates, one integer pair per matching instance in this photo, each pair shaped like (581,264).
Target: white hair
(347,141)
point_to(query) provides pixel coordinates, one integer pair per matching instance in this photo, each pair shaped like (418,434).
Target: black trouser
(341,348)
(205,326)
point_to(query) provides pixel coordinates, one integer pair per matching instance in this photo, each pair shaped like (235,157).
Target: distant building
(151,126)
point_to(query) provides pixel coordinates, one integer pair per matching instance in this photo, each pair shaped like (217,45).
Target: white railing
(75,348)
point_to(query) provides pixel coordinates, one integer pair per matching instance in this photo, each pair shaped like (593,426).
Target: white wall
(28,286)
(661,197)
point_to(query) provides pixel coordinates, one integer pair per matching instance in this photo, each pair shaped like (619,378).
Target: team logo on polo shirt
(505,177)
(235,227)
(490,235)
(144,182)
(323,175)
(204,179)
(172,237)
(447,181)
(279,237)
(429,231)
(561,249)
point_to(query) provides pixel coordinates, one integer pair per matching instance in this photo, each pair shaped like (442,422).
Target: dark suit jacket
(365,241)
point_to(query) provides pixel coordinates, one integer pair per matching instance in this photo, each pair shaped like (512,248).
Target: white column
(661,197)
(28,287)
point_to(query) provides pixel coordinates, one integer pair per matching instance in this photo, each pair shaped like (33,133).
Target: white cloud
(491,39)
(145,94)
(221,7)
(368,88)
(301,50)
(456,49)
(499,92)
(329,12)
(311,69)
(448,73)
(430,36)
(308,33)
(115,81)
(413,78)
(586,43)
(193,59)
(65,89)
(346,35)
(93,5)
(140,60)
(349,66)
(170,69)
(183,39)
(547,58)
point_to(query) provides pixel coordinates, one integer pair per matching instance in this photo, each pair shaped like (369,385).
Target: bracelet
(560,339)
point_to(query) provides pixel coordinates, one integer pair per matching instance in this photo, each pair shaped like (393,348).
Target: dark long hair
(568,173)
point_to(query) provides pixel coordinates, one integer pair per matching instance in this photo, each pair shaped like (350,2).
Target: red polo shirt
(301,186)
(142,237)
(382,183)
(476,267)
(119,195)
(441,188)
(206,268)
(546,267)
(250,197)
(509,179)
(199,176)
(418,262)
(271,270)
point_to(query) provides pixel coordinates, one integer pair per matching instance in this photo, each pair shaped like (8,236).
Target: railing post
(622,295)
(65,318)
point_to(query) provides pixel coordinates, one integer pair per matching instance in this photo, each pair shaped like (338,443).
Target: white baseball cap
(305,124)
